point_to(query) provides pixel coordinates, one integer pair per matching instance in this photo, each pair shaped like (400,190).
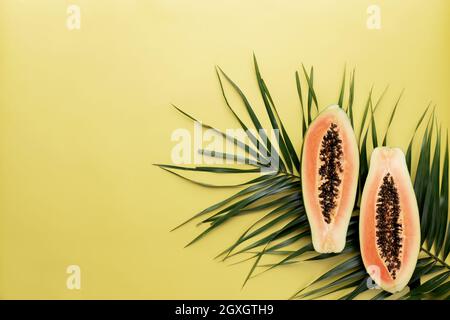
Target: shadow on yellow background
(85,113)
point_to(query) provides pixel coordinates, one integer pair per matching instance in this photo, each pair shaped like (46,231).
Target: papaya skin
(390,161)
(329,236)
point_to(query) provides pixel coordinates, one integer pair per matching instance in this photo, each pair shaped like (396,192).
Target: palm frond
(392,118)
(285,144)
(281,229)
(311,93)
(342,91)
(300,96)
(351,98)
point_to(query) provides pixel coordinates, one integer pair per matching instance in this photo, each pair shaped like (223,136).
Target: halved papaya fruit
(389,227)
(330,166)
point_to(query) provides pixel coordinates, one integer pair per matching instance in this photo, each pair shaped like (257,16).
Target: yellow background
(85,113)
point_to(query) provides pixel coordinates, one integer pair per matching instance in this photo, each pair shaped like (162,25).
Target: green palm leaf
(391,118)
(283,230)
(311,94)
(351,97)
(265,145)
(232,139)
(285,143)
(409,150)
(342,91)
(300,96)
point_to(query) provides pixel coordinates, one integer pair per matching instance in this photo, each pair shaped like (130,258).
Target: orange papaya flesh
(330,167)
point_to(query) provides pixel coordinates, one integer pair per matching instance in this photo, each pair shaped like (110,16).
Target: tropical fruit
(389,227)
(330,166)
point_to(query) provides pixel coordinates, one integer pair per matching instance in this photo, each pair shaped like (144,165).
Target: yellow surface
(85,113)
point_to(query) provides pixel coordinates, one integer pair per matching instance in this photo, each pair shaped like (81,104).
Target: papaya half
(389,227)
(330,166)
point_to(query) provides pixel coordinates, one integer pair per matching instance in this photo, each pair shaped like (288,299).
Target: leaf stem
(435,257)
